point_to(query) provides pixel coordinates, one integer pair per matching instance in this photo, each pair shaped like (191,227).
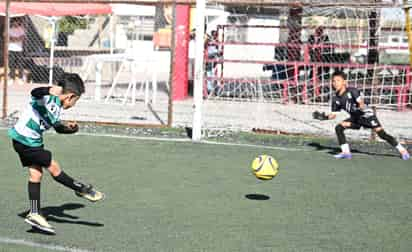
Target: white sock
(345,148)
(400,148)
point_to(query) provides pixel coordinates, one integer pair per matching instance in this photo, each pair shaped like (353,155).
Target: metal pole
(111,35)
(99,35)
(172,67)
(408,29)
(53,20)
(6,58)
(199,73)
(112,39)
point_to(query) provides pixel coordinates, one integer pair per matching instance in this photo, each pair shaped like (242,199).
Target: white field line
(187,140)
(184,140)
(31,244)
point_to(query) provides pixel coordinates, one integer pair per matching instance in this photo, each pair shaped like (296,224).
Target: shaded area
(189,132)
(335,150)
(58,214)
(257,197)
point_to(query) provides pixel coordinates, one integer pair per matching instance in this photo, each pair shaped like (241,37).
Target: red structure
(56,9)
(181,50)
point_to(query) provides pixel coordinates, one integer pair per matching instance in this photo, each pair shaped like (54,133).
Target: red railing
(401,90)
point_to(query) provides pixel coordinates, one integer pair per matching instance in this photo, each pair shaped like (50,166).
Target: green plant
(70,24)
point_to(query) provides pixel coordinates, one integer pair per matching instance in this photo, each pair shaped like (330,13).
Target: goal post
(408,28)
(199,73)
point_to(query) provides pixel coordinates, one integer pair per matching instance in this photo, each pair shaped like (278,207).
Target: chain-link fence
(115,48)
(266,66)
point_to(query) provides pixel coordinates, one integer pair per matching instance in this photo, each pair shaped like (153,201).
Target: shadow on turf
(38,231)
(57,214)
(189,132)
(257,197)
(336,150)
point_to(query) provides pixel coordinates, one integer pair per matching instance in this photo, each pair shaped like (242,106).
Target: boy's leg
(35,174)
(81,189)
(339,129)
(64,179)
(373,122)
(34,158)
(392,141)
(34,218)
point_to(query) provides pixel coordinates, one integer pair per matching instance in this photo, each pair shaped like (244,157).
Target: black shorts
(370,122)
(32,156)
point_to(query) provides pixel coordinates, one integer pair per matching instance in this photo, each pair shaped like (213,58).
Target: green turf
(168,196)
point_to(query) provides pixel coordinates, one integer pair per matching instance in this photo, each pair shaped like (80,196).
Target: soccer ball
(265,167)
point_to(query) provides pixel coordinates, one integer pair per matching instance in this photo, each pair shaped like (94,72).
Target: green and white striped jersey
(40,116)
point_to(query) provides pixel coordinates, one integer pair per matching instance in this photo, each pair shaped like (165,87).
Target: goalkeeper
(351,100)
(42,114)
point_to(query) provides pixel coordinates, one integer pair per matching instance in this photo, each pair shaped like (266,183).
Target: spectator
(320,54)
(211,51)
(192,56)
(17,35)
(279,70)
(212,54)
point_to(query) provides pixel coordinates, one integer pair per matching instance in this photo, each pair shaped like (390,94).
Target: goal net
(270,67)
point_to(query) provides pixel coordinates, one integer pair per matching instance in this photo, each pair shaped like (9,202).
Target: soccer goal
(267,67)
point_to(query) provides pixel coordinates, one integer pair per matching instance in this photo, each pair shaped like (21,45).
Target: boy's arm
(361,103)
(363,109)
(70,128)
(40,92)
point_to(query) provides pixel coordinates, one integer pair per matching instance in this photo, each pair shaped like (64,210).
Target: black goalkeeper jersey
(348,101)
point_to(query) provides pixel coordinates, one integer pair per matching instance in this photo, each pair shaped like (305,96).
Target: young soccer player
(351,100)
(42,114)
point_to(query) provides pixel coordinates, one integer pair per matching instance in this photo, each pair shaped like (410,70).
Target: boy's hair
(340,74)
(71,83)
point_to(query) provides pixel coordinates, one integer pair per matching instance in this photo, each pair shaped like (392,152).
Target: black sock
(388,138)
(339,129)
(34,197)
(69,182)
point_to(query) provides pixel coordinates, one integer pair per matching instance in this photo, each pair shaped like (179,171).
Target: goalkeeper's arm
(322,116)
(61,128)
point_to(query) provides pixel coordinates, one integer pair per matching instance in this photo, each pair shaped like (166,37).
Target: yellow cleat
(90,194)
(39,222)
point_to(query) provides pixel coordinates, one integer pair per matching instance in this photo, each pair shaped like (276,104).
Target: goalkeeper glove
(320,116)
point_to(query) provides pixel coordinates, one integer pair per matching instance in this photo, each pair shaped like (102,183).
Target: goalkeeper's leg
(339,129)
(82,190)
(392,141)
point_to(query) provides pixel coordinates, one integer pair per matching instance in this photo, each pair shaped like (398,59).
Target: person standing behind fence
(319,53)
(212,54)
(17,35)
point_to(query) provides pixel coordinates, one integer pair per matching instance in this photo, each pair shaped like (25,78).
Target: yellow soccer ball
(265,167)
